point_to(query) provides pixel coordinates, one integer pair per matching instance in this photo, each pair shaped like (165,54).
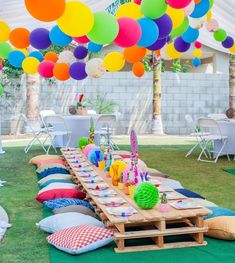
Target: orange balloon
(19,37)
(138,69)
(197,1)
(134,54)
(61,71)
(158,52)
(52,56)
(45,10)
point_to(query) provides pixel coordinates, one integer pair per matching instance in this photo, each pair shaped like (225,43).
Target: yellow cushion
(40,158)
(221,227)
(55,176)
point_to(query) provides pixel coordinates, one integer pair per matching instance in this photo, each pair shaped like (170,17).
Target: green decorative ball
(82,142)
(146,195)
(220,35)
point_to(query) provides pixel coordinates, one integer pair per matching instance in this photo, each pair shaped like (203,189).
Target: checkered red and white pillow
(80,239)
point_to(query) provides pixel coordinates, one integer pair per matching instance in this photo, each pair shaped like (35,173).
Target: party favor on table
(121,211)
(104,193)
(112,201)
(102,186)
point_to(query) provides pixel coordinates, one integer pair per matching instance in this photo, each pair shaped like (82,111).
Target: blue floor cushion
(188,193)
(220,211)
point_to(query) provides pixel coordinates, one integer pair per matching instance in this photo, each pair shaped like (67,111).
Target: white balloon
(212,25)
(66,57)
(95,68)
(197,22)
(189,9)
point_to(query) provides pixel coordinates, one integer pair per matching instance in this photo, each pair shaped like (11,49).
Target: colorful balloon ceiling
(166,27)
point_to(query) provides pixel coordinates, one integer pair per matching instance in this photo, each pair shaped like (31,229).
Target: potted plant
(164,206)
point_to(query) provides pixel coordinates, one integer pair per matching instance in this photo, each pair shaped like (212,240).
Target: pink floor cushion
(60,193)
(50,161)
(81,239)
(44,157)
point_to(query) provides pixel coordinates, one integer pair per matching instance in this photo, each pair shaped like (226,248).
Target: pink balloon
(45,69)
(129,32)
(81,40)
(178,4)
(212,25)
(189,9)
(88,148)
(138,2)
(1,67)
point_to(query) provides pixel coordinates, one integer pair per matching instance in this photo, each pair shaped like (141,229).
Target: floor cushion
(203,202)
(189,193)
(54,170)
(55,176)
(60,193)
(51,165)
(58,186)
(153,173)
(64,202)
(219,211)
(80,239)
(50,161)
(4,222)
(76,209)
(222,227)
(58,222)
(170,182)
(40,158)
(55,181)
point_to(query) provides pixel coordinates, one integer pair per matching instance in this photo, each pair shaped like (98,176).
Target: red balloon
(129,32)
(178,4)
(45,69)
(197,44)
(138,2)
(81,40)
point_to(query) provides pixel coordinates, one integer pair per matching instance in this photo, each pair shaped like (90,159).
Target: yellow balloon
(172,52)
(209,16)
(114,61)
(121,167)
(4,31)
(30,65)
(24,50)
(77,19)
(176,15)
(131,10)
(232,49)
(197,53)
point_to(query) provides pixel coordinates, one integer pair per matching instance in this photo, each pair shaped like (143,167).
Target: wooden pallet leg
(120,242)
(199,237)
(160,225)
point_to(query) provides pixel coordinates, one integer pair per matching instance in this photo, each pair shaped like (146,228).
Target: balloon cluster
(196,62)
(138,27)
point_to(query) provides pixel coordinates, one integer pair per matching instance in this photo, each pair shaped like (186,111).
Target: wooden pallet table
(150,224)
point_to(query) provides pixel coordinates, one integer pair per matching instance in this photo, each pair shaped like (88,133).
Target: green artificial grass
(24,243)
(230,171)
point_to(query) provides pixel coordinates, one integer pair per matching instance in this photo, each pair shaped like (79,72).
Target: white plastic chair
(50,121)
(208,124)
(105,127)
(218,116)
(37,133)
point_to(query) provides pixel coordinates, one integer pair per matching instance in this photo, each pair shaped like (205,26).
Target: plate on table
(112,201)
(88,174)
(104,193)
(185,205)
(121,211)
(83,169)
(92,180)
(101,186)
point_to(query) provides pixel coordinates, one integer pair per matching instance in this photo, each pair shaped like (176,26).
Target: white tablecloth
(78,125)
(227,129)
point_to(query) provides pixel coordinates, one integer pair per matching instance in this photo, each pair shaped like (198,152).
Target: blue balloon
(36,54)
(150,32)
(59,38)
(94,48)
(190,35)
(201,9)
(16,58)
(196,62)
(95,156)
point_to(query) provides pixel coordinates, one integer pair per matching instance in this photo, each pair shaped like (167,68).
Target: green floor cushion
(80,239)
(55,176)
(76,209)
(220,211)
(222,227)
(59,222)
(55,181)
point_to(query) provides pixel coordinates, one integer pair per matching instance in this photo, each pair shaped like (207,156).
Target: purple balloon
(80,52)
(164,24)
(158,44)
(77,70)
(228,42)
(39,38)
(180,45)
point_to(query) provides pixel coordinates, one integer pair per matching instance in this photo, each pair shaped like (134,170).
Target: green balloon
(181,29)
(211,3)
(220,35)
(5,49)
(105,28)
(82,142)
(153,8)
(1,90)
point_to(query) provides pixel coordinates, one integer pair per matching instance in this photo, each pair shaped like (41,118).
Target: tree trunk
(232,82)
(157,118)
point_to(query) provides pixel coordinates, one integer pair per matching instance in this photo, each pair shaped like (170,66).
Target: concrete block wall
(197,94)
